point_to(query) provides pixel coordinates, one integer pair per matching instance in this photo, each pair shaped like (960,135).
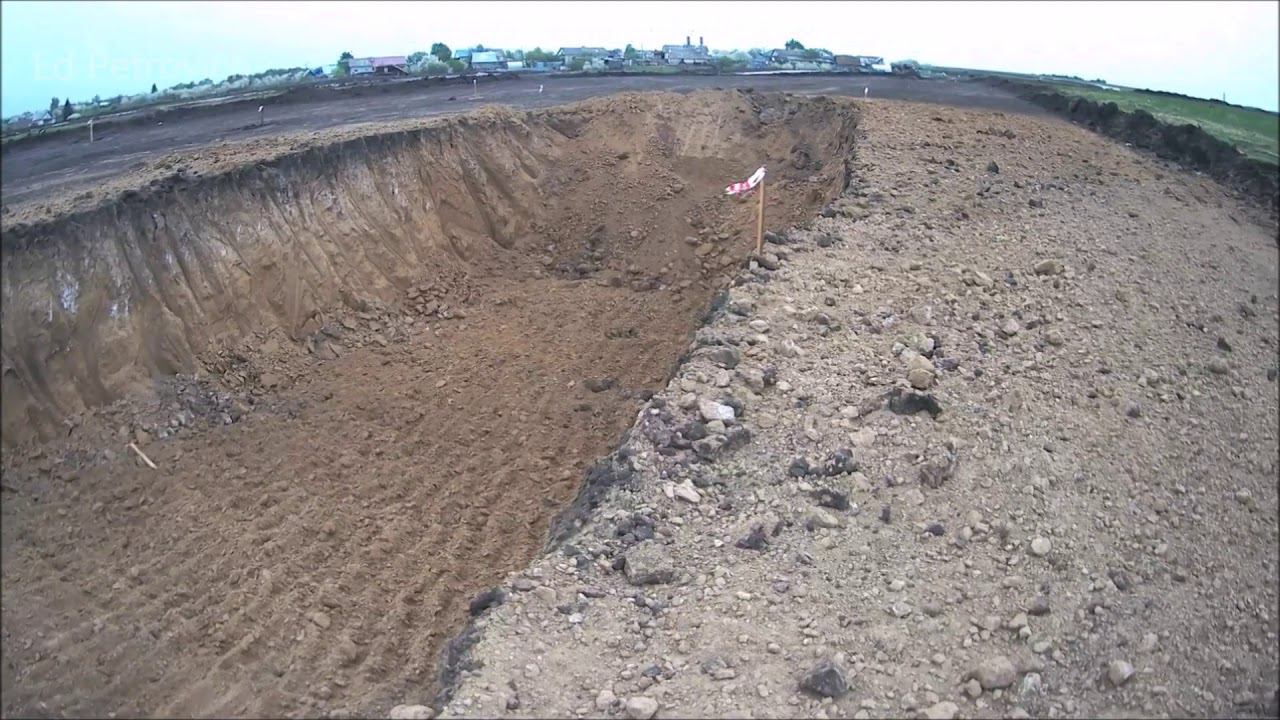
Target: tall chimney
(686,41)
(700,43)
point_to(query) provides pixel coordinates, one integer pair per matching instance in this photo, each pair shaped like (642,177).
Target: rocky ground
(994,436)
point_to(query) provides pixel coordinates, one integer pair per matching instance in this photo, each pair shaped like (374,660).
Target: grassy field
(1255,132)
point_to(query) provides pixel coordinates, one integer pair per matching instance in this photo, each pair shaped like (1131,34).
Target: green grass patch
(1255,132)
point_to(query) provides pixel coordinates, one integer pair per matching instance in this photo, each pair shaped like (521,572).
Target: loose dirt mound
(398,353)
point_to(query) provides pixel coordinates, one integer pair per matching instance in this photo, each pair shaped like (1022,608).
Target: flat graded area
(410,348)
(30,172)
(1012,421)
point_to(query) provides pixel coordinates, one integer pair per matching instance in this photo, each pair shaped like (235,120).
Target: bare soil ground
(402,348)
(1018,457)
(392,400)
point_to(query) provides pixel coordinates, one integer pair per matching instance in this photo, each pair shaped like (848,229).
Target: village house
(588,54)
(687,54)
(387,65)
(487,61)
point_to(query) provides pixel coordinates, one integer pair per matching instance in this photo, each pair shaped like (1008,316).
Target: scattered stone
(1039,606)
(826,679)
(1009,328)
(641,707)
(993,168)
(596,385)
(1218,366)
(648,563)
(1132,409)
(1223,344)
(993,673)
(320,619)
(1119,672)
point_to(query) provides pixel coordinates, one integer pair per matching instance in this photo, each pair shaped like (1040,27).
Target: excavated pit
(369,371)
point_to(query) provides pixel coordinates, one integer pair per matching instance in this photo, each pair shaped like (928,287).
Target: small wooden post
(90,130)
(760,221)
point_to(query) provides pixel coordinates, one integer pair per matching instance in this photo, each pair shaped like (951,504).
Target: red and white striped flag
(740,187)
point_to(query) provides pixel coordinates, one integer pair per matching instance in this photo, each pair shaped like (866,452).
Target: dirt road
(36,170)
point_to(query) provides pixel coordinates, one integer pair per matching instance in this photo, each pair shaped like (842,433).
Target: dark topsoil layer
(1185,144)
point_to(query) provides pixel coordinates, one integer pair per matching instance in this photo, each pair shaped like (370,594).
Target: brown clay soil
(396,354)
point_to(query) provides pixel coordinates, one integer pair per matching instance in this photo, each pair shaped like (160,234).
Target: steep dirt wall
(98,303)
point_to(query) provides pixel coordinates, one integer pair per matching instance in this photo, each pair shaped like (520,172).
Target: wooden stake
(90,130)
(142,455)
(760,221)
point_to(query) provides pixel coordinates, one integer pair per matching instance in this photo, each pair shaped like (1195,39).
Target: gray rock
(1039,606)
(825,519)
(1218,366)
(725,356)
(1009,328)
(711,446)
(1132,409)
(840,462)
(710,410)
(1119,672)
(826,679)
(993,673)
(742,306)
(649,564)
(769,261)
(945,710)
(1041,546)
(920,378)
(411,712)
(1049,267)
(1031,686)
(605,700)
(641,707)
(752,378)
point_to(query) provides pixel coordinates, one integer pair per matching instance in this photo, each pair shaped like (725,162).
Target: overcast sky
(79,49)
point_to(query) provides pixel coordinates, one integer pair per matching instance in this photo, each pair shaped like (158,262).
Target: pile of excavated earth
(435,421)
